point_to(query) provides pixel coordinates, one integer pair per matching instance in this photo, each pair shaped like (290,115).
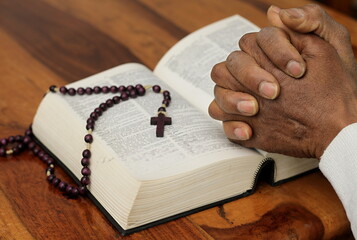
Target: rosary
(14,145)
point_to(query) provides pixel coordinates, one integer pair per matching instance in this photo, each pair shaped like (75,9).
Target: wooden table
(44,42)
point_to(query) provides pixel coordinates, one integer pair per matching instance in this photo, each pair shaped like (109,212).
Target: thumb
(312,18)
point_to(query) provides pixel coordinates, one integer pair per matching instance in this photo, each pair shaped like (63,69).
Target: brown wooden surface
(44,42)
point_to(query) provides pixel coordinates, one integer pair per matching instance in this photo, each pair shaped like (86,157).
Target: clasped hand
(291,88)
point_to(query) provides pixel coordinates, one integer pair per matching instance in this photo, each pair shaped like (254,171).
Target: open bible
(139,180)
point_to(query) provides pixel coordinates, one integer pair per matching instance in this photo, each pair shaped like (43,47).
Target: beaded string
(14,145)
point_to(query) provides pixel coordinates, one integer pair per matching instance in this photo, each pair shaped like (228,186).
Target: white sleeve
(339,165)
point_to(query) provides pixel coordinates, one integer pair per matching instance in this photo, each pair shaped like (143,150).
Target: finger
(223,78)
(217,113)
(276,44)
(233,102)
(312,18)
(236,130)
(246,70)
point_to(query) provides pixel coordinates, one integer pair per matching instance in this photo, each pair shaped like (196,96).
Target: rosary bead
(62,186)
(85,180)
(86,171)
(27,140)
(137,86)
(36,150)
(103,106)
(81,91)
(167,97)
(156,88)
(52,88)
(71,91)
(124,96)
(109,103)
(31,145)
(11,139)
(90,126)
(28,132)
(161,109)
(21,146)
(15,150)
(105,89)
(86,153)
(85,162)
(94,115)
(113,89)
(2,152)
(89,91)
(55,181)
(50,161)
(121,88)
(97,89)
(50,177)
(141,91)
(69,189)
(166,93)
(63,90)
(129,88)
(74,192)
(82,190)
(116,99)
(98,111)
(88,138)
(40,154)
(18,138)
(45,158)
(3,141)
(132,93)
(90,120)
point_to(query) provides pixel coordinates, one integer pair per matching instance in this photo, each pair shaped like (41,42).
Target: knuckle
(217,72)
(214,112)
(247,40)
(315,10)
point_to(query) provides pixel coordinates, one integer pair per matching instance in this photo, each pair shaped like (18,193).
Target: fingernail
(241,133)
(295,69)
(268,90)
(294,12)
(275,9)
(246,106)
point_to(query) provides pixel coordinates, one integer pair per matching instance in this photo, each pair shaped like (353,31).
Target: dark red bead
(50,161)
(166,102)
(156,88)
(55,181)
(97,89)
(137,86)
(94,115)
(21,146)
(50,177)
(62,186)
(69,189)
(105,89)
(113,89)
(166,93)
(86,153)
(121,88)
(116,99)
(85,180)
(89,91)
(11,139)
(63,90)
(141,91)
(3,141)
(2,152)
(74,192)
(36,150)
(45,158)
(88,138)
(98,111)
(71,91)
(90,120)
(129,88)
(124,96)
(85,162)
(28,132)
(27,140)
(167,97)
(31,145)
(132,93)
(19,138)
(15,150)
(109,103)
(52,88)
(103,106)
(82,190)
(41,154)
(81,91)
(90,126)
(86,171)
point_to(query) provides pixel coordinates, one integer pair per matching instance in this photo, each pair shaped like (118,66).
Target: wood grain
(46,42)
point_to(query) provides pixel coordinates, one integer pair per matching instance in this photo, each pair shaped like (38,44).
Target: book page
(187,65)
(192,141)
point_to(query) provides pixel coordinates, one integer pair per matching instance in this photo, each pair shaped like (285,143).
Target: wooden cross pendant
(160,121)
